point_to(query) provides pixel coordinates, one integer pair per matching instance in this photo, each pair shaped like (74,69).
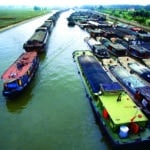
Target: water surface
(53,112)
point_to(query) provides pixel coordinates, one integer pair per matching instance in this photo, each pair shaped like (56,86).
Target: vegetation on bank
(12,16)
(132,13)
(140,16)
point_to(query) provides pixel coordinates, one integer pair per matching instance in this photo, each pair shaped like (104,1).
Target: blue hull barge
(19,74)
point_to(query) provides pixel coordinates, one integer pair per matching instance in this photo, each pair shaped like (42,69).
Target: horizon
(70,3)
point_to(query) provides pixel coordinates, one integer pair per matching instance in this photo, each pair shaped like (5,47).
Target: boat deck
(19,67)
(109,62)
(139,48)
(125,60)
(123,111)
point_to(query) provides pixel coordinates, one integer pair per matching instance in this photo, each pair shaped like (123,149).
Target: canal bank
(25,21)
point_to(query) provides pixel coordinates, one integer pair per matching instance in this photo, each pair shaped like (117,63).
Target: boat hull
(15,86)
(115,145)
(138,52)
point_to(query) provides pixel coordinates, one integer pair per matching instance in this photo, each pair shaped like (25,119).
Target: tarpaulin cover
(131,82)
(93,72)
(115,86)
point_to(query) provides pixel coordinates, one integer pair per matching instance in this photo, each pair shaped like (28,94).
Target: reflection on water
(17,104)
(53,112)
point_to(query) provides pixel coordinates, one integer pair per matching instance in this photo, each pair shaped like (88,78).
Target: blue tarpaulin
(93,72)
(115,86)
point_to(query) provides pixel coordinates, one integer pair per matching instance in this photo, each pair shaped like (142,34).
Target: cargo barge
(119,118)
(19,74)
(38,41)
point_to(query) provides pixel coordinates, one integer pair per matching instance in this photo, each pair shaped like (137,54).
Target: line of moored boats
(115,72)
(116,75)
(21,71)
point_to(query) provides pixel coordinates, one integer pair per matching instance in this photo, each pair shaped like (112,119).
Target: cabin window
(12,85)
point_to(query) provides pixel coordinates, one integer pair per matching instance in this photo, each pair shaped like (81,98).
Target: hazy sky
(71,2)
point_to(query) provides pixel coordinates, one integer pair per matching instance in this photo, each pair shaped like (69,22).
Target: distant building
(131,9)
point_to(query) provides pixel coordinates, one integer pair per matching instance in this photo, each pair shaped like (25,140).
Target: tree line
(136,13)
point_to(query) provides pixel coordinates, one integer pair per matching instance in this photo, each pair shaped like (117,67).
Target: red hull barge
(20,73)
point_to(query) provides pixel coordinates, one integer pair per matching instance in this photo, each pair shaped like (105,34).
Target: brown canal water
(53,112)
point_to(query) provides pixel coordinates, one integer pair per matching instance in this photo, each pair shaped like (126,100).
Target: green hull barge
(121,121)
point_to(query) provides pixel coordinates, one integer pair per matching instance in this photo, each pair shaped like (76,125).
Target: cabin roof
(139,68)
(126,31)
(117,46)
(123,111)
(139,48)
(93,23)
(92,42)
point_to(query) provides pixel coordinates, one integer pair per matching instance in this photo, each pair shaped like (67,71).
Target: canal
(53,112)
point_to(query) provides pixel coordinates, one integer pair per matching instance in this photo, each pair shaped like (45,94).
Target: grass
(12,16)
(129,16)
